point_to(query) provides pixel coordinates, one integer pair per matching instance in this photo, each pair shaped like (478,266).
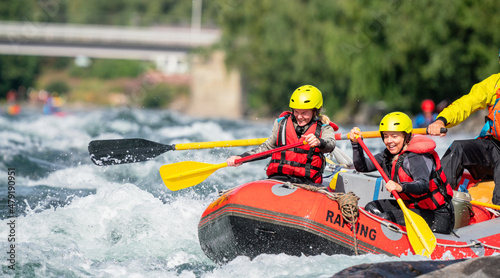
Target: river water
(72,218)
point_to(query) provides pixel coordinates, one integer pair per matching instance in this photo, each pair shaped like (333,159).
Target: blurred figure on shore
(427,116)
(53,104)
(13,107)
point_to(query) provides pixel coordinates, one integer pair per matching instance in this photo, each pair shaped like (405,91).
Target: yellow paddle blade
(187,173)
(421,237)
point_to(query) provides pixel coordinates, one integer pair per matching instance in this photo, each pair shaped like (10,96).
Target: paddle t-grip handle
(442,130)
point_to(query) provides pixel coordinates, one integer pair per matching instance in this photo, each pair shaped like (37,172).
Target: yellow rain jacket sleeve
(482,95)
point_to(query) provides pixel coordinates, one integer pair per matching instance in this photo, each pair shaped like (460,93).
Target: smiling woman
(304,123)
(415,171)
(395,129)
(394,141)
(303,116)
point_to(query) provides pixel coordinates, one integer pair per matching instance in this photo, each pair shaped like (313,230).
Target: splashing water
(75,219)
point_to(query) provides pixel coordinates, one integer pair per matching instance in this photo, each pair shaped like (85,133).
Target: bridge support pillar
(215,91)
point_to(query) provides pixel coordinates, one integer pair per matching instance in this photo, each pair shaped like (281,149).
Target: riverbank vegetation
(356,52)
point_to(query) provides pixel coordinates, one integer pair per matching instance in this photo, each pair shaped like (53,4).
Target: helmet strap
(292,116)
(407,138)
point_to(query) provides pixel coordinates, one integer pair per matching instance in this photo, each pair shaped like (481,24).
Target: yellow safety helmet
(306,97)
(396,121)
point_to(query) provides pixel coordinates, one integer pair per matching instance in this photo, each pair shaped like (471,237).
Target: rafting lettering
(361,229)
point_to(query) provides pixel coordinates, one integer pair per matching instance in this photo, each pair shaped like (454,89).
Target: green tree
(17,71)
(355,51)
(360,51)
(135,12)
(15,9)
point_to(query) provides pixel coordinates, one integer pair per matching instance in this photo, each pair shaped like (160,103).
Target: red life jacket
(492,125)
(440,190)
(301,162)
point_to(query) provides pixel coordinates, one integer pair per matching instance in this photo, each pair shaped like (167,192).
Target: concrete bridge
(214,91)
(166,46)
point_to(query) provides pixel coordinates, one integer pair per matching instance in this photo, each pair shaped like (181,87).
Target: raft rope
(334,168)
(391,226)
(394,228)
(473,244)
(493,211)
(348,205)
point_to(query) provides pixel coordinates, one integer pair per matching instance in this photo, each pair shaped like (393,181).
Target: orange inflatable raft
(273,217)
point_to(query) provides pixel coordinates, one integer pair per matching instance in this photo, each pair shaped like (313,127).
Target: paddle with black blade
(185,174)
(421,238)
(123,151)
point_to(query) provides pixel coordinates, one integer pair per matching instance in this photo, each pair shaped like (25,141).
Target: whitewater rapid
(75,219)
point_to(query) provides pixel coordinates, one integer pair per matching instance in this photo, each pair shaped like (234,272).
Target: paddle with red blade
(185,174)
(422,239)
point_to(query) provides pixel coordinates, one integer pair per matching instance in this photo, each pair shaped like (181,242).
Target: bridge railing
(19,32)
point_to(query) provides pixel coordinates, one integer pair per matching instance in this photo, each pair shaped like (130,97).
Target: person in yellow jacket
(480,156)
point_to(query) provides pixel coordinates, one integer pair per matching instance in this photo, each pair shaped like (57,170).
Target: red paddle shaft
(261,154)
(375,162)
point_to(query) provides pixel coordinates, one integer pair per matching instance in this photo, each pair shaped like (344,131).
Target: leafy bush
(110,69)
(58,86)
(17,71)
(399,52)
(160,95)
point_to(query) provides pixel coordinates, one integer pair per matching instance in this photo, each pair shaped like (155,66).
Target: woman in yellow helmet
(415,173)
(303,123)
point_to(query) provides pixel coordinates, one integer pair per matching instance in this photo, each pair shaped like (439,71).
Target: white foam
(119,223)
(83,176)
(133,225)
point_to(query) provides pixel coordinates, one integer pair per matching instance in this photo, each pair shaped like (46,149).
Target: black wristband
(442,119)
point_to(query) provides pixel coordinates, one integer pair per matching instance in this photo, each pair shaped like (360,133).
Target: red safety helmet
(427,105)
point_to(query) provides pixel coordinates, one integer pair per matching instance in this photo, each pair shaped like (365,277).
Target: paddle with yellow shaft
(123,151)
(376,134)
(130,150)
(189,173)
(421,238)
(488,205)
